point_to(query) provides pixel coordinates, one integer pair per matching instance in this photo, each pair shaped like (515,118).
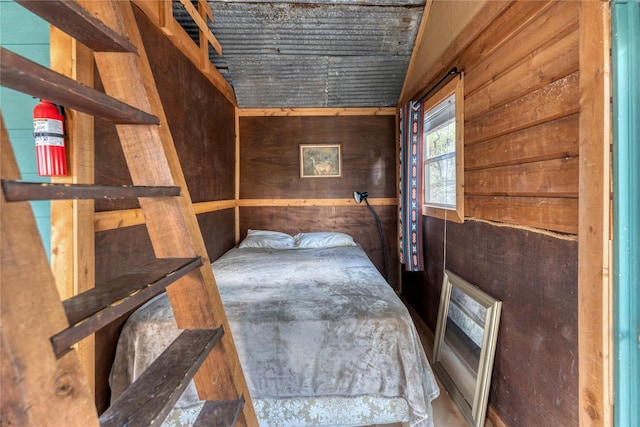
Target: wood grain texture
(31,312)
(117,252)
(595,292)
(205,142)
(559,99)
(508,44)
(548,178)
(538,69)
(206,138)
(269,156)
(535,275)
(160,13)
(31,78)
(217,229)
(557,139)
(556,214)
(72,233)
(357,221)
(153,394)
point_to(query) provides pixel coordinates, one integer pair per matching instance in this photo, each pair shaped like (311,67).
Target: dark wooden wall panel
(357,221)
(535,379)
(201,120)
(218,231)
(117,252)
(269,156)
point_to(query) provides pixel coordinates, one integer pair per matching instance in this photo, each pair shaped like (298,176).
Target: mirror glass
(465,343)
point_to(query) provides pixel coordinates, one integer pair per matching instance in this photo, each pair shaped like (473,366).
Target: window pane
(440,180)
(441,140)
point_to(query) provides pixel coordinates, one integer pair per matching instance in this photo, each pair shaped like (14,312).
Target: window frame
(455,86)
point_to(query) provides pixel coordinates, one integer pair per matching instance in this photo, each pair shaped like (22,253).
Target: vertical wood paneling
(595,286)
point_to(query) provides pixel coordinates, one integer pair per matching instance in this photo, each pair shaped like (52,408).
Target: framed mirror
(465,344)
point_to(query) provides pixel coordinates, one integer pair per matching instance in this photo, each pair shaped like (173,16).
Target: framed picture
(320,161)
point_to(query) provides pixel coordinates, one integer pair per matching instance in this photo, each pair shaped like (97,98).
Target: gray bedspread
(307,323)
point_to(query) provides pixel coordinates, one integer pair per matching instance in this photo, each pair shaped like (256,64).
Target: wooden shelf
(23,75)
(76,21)
(151,397)
(97,307)
(219,413)
(20,191)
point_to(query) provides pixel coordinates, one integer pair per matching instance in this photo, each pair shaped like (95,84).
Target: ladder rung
(219,413)
(151,397)
(73,19)
(19,191)
(97,307)
(26,76)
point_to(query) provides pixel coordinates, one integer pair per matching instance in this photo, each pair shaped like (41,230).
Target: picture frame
(320,160)
(465,344)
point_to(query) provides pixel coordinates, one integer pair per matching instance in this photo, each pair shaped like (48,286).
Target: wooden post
(72,221)
(594,292)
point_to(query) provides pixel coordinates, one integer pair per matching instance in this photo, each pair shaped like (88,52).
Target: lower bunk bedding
(321,337)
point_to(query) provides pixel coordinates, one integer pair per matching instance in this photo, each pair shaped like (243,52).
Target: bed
(321,336)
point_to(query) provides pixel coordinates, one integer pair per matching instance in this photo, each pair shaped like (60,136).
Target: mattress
(321,337)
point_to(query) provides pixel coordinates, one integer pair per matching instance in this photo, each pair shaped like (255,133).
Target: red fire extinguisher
(48,131)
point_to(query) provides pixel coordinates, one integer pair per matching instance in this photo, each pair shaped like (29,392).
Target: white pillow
(323,239)
(267,239)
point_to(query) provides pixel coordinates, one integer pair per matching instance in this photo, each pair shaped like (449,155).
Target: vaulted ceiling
(313,53)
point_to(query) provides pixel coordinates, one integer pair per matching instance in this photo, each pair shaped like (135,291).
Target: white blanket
(307,323)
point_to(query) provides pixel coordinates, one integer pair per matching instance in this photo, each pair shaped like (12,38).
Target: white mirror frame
(475,414)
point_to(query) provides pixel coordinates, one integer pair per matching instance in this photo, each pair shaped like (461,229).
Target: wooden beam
(314,202)
(72,233)
(151,397)
(258,112)
(594,292)
(24,191)
(76,21)
(96,308)
(159,10)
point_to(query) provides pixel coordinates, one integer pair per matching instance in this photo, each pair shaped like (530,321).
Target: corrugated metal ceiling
(313,54)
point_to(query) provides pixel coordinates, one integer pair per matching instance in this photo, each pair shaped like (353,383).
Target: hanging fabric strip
(409,210)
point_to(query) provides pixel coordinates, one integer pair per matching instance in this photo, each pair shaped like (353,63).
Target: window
(444,153)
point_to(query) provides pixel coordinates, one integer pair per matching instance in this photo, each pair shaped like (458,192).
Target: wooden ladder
(42,380)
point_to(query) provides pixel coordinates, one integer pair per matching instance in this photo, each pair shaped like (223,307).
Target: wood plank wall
(521,121)
(522,104)
(201,120)
(270,171)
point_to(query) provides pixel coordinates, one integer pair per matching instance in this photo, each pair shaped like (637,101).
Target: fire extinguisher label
(48,132)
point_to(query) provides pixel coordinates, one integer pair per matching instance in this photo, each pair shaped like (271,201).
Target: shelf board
(91,310)
(151,397)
